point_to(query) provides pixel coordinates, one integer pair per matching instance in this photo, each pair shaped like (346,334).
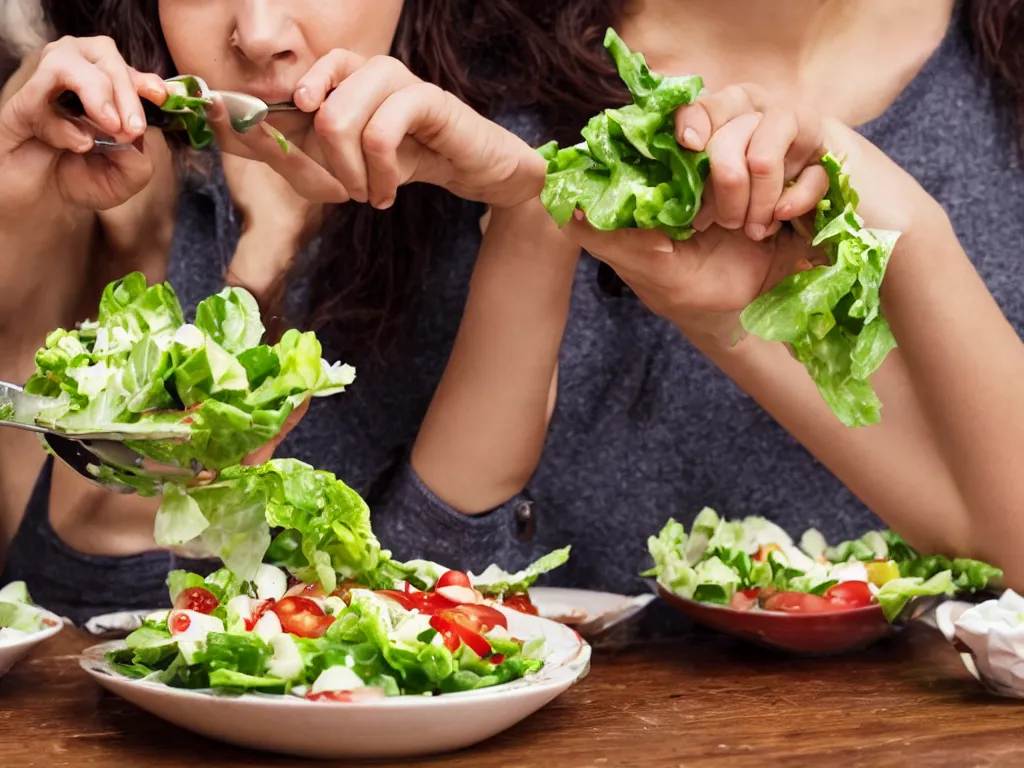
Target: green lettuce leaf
(328,524)
(495,582)
(630,172)
(211,390)
(831,315)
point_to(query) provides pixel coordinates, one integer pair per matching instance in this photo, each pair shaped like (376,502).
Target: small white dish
(990,638)
(13,650)
(590,613)
(397,727)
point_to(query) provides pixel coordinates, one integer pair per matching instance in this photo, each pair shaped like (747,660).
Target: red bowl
(818,634)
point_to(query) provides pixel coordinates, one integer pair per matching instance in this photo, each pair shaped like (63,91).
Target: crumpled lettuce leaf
(211,387)
(327,532)
(831,316)
(496,582)
(631,172)
(17,611)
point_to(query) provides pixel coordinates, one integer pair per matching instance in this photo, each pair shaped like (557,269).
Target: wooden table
(907,702)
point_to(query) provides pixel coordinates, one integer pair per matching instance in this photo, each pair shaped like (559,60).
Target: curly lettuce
(210,389)
(631,172)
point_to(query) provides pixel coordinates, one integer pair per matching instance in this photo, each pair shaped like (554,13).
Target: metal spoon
(244,111)
(102,458)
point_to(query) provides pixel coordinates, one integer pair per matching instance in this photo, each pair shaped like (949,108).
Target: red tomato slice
(849,594)
(483,618)
(468,626)
(744,600)
(196,599)
(446,628)
(453,579)
(496,658)
(521,603)
(426,603)
(178,622)
(796,602)
(302,617)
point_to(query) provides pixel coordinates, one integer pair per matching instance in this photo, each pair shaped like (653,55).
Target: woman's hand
(44,157)
(378,127)
(765,171)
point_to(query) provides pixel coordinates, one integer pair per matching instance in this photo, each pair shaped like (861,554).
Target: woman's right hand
(46,159)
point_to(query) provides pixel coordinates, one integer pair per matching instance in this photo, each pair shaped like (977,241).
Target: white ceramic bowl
(12,651)
(590,613)
(401,726)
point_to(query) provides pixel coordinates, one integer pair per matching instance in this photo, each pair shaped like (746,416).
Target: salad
(278,635)
(319,609)
(630,172)
(211,386)
(19,616)
(752,564)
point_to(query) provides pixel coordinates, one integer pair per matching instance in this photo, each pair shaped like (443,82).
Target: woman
(608,419)
(80,219)
(641,419)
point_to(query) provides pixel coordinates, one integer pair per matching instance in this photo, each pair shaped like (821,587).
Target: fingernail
(386,204)
(301,94)
(664,246)
(84,147)
(107,112)
(756,231)
(136,124)
(804,265)
(579,215)
(783,210)
(691,139)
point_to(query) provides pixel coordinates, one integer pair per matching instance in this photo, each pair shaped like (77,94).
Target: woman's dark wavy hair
(492,54)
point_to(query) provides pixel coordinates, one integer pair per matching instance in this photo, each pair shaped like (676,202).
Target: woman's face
(263,47)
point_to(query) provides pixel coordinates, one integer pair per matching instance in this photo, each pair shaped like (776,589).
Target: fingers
(418,109)
(697,122)
(325,75)
(619,246)
(93,69)
(766,156)
(344,121)
(305,175)
(730,175)
(803,195)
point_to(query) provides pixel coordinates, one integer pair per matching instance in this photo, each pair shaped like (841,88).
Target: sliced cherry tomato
(196,599)
(849,594)
(744,599)
(496,658)
(796,602)
(302,617)
(453,579)
(426,603)
(764,550)
(520,602)
(178,623)
(257,614)
(483,618)
(469,627)
(446,629)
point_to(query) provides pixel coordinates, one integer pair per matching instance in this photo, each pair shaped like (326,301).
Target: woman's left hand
(765,170)
(378,127)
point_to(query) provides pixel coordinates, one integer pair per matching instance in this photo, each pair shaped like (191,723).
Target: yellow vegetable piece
(881,572)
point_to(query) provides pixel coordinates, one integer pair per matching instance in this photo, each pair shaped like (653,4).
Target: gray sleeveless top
(645,427)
